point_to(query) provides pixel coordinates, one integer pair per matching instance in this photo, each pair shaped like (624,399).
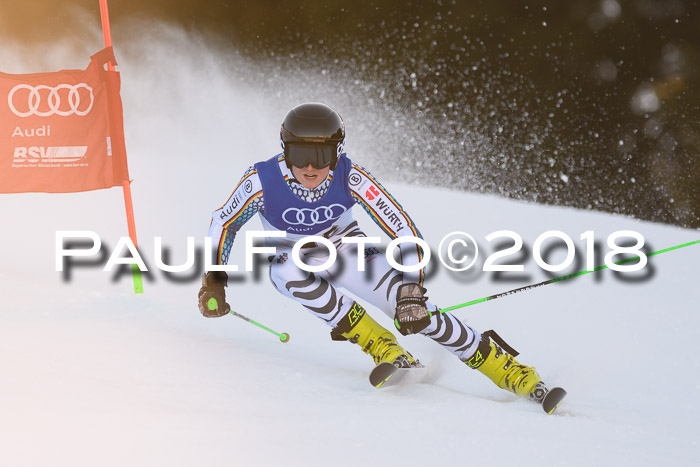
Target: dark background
(592,104)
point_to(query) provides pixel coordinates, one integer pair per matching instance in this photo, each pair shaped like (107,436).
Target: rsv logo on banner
(57,130)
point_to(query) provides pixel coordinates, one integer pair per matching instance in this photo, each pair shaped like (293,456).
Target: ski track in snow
(93,375)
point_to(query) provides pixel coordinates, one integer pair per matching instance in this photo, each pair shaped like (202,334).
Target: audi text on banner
(62,132)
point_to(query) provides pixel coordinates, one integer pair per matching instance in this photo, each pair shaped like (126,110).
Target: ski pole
(212,304)
(559,279)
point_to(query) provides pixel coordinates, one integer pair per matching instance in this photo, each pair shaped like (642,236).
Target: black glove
(213,283)
(412,316)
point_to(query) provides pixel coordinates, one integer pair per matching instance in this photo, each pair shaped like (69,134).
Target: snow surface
(94,375)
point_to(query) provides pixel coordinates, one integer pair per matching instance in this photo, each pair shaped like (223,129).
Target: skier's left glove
(412,316)
(213,283)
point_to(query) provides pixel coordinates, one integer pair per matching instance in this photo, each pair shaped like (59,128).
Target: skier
(309,189)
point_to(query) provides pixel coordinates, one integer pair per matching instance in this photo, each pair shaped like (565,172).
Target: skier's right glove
(212,296)
(412,316)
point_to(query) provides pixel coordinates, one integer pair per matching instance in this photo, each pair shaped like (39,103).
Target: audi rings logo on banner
(309,217)
(54,104)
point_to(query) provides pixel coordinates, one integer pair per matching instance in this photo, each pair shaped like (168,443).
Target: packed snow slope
(91,374)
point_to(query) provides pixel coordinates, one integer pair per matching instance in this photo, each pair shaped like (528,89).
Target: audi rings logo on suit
(309,217)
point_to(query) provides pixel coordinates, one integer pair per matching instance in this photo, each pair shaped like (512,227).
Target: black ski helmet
(312,133)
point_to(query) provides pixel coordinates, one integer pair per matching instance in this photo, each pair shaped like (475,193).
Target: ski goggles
(318,155)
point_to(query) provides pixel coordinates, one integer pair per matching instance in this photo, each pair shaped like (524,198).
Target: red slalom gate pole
(126,184)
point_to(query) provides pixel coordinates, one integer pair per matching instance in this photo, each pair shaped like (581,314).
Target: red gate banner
(62,132)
